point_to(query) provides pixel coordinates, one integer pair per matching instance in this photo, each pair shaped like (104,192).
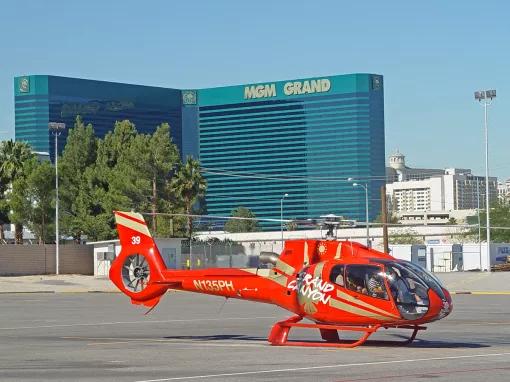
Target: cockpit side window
(367,280)
(337,275)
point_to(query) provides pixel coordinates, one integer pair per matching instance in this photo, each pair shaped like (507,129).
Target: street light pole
(56,129)
(486,96)
(365,186)
(281,215)
(479,227)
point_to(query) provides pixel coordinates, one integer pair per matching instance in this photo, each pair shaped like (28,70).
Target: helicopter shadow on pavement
(418,343)
(218,337)
(424,344)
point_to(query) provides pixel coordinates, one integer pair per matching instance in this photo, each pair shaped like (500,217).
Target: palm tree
(4,210)
(12,157)
(189,185)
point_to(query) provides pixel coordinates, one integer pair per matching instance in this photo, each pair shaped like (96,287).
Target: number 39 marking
(135,240)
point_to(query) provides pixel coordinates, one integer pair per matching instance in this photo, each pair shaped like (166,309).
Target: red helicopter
(338,285)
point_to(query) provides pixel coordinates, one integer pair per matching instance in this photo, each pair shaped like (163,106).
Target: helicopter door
(366,290)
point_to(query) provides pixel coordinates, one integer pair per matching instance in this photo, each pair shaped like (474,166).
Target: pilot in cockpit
(400,289)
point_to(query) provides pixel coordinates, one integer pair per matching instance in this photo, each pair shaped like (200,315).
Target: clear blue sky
(433,55)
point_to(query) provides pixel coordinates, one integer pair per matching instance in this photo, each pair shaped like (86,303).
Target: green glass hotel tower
(303,138)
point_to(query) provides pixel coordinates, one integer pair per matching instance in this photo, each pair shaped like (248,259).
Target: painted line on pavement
(269,371)
(138,322)
(431,374)
(170,341)
(194,344)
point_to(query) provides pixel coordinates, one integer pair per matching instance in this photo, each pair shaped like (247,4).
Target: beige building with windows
(504,191)
(419,194)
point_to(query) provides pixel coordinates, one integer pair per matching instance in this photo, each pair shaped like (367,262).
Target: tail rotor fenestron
(135,272)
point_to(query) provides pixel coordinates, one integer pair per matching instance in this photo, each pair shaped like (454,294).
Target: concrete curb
(87,291)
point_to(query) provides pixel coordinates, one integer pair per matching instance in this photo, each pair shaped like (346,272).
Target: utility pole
(384,218)
(479,227)
(154,203)
(281,214)
(365,187)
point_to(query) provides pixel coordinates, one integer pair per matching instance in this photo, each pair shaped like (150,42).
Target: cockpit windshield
(431,280)
(408,290)
(405,283)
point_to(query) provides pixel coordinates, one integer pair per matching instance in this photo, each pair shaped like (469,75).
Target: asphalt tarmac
(189,337)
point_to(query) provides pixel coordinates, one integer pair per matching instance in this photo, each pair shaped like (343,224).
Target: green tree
(405,236)
(151,158)
(189,186)
(78,156)
(131,172)
(4,212)
(4,206)
(291,225)
(392,219)
(164,156)
(13,156)
(41,188)
(32,199)
(499,217)
(239,225)
(109,181)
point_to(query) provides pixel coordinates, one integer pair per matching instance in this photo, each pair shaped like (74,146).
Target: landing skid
(329,333)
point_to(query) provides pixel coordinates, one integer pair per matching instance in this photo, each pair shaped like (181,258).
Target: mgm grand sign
(289,88)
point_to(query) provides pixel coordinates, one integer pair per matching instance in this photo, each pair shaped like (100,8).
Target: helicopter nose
(445,310)
(447,307)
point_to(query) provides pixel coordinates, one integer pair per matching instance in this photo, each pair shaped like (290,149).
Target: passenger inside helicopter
(408,291)
(400,288)
(337,275)
(365,279)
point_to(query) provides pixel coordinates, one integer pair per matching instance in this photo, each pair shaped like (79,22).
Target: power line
(282,177)
(318,221)
(215,217)
(257,175)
